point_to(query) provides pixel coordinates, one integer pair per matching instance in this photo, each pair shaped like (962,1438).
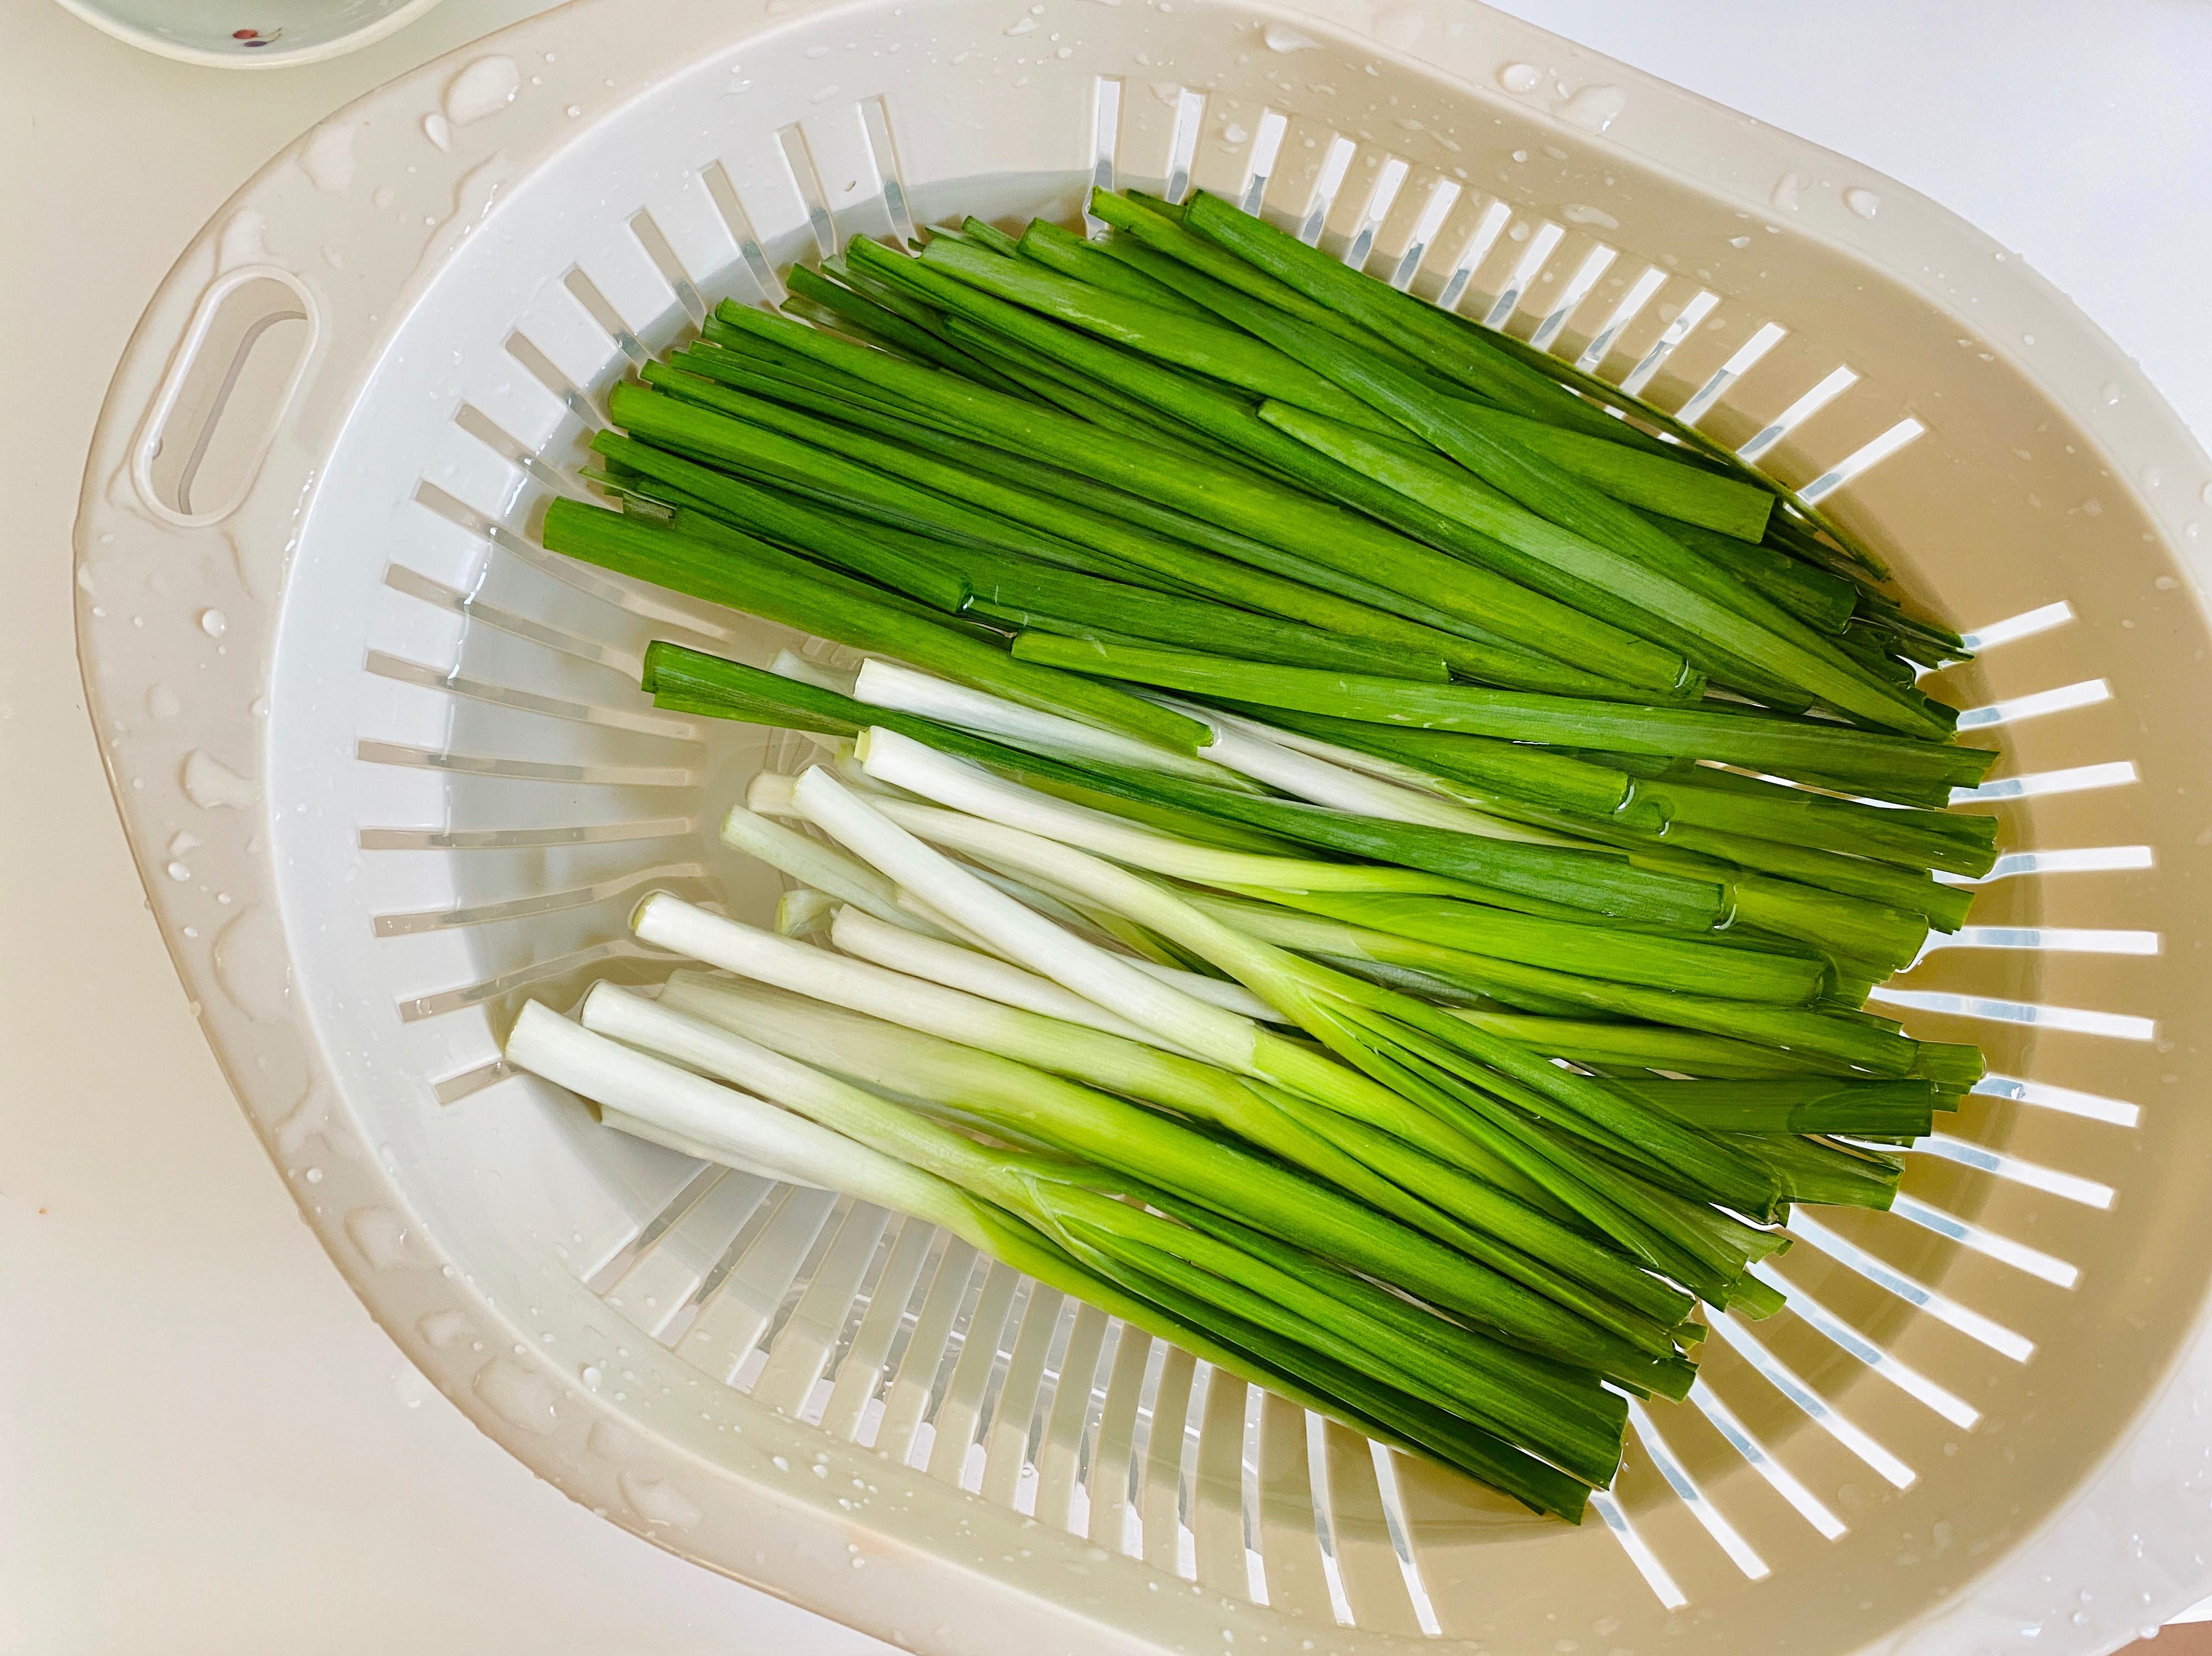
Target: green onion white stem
(822,867)
(1301,992)
(1019,933)
(885,684)
(1249,747)
(676,1103)
(1303,1135)
(890,756)
(854,1120)
(770,794)
(803,911)
(886,832)
(1229,996)
(913,904)
(901,950)
(1141,1069)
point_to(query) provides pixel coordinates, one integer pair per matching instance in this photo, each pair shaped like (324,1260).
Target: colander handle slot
(225,395)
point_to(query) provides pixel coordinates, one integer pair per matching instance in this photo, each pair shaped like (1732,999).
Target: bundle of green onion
(1353,846)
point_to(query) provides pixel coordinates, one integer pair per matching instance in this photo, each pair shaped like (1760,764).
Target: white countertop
(205,1443)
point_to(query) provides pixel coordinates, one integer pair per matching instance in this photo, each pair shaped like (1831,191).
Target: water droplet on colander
(1862,201)
(214,622)
(381,1237)
(1581,213)
(178,872)
(484,88)
(253,967)
(521,1398)
(1739,241)
(1520,77)
(1593,108)
(1234,134)
(1280,36)
(313,1175)
(1784,193)
(657,1500)
(327,158)
(1399,25)
(589,1373)
(438,130)
(2110,393)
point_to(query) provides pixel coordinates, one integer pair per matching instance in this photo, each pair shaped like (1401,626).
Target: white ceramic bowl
(249,33)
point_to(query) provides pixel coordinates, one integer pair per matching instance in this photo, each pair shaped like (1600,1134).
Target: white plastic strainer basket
(385,771)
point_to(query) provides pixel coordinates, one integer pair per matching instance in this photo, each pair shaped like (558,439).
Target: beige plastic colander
(386,772)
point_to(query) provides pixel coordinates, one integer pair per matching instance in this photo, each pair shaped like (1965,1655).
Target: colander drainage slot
(1730,1540)
(1266,144)
(1389,180)
(1784,1481)
(1105,141)
(1541,244)
(1638,295)
(1334,165)
(1595,262)
(1182,149)
(1701,306)
(1488,226)
(806,180)
(225,395)
(1443,195)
